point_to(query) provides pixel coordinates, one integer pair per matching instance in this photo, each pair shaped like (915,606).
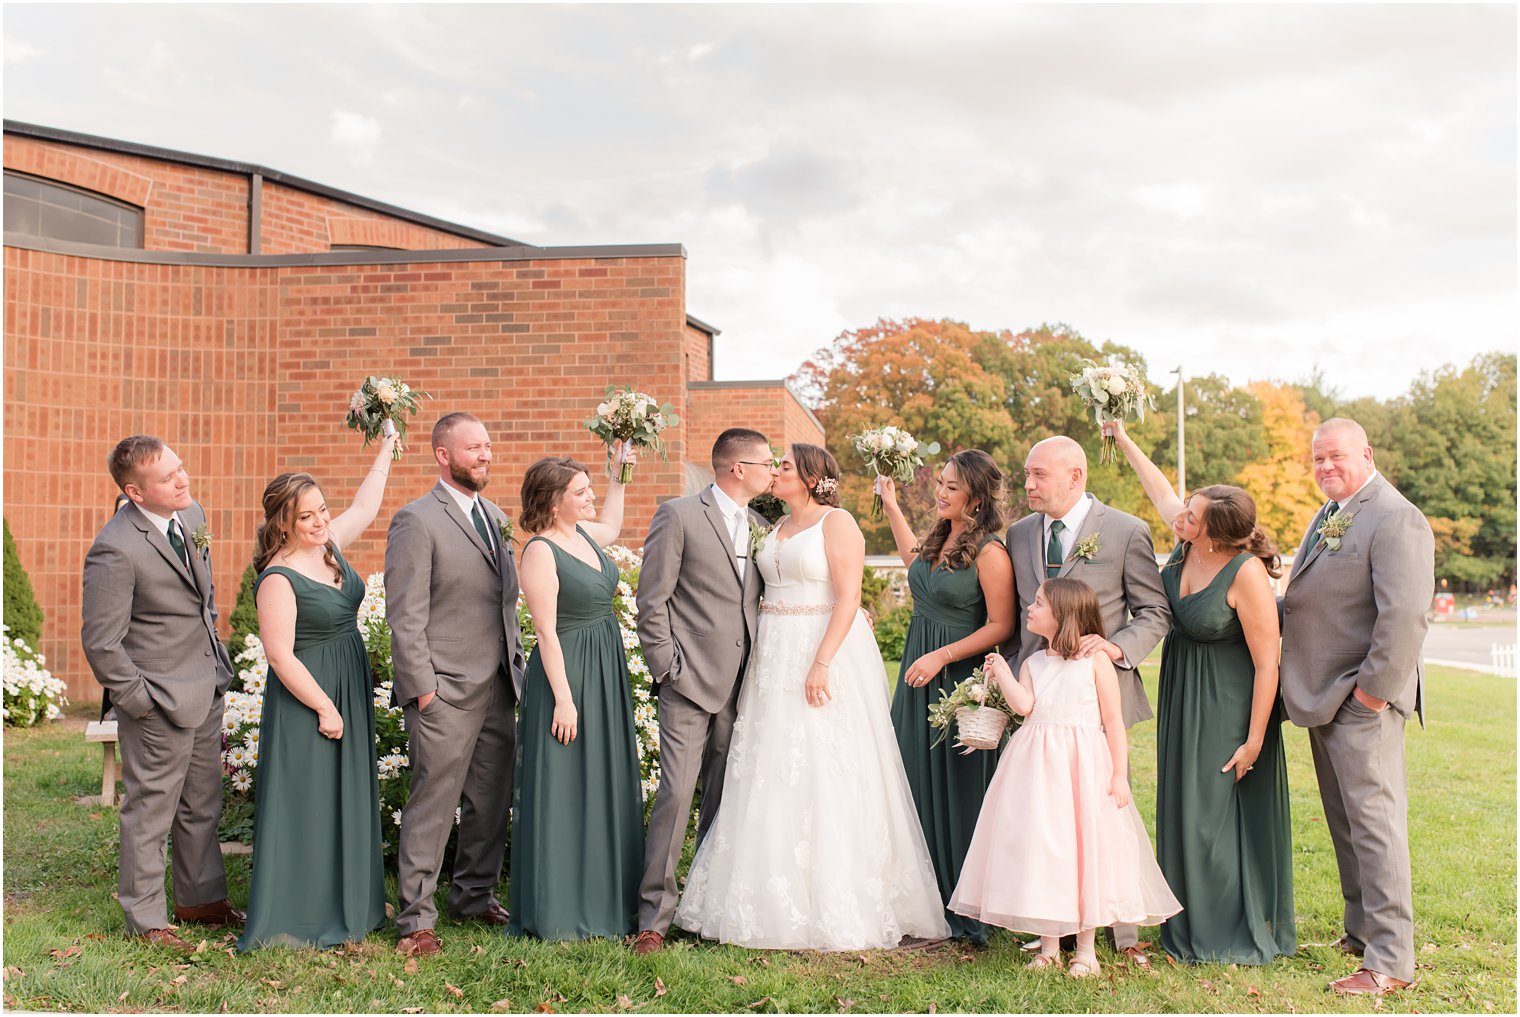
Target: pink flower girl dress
(1052,854)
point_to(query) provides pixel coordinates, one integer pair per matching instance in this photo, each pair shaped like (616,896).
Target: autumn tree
(1281,479)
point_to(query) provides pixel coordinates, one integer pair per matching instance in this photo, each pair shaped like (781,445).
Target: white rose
(1116,383)
(906,443)
(880,442)
(385,393)
(978,693)
(603,409)
(642,406)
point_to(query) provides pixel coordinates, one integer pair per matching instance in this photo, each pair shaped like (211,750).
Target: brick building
(232,309)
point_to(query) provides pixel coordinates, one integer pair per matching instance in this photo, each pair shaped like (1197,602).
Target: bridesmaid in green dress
(318,876)
(1223,834)
(577,811)
(962,585)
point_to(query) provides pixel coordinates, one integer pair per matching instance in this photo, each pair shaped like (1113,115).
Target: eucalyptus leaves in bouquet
(891,452)
(977,694)
(1114,391)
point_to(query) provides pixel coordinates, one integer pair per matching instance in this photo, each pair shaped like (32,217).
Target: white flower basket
(981,728)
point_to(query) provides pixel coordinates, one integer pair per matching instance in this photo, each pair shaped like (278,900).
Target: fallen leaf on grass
(934,1008)
(412,1009)
(224,1007)
(757,1004)
(624,1003)
(399,982)
(1206,985)
(659,988)
(1252,990)
(738,979)
(844,1004)
(544,1008)
(764,962)
(390,910)
(123,997)
(11,971)
(477,948)
(200,947)
(72,951)
(96,935)
(454,990)
(410,967)
(501,1006)
(272,983)
(1428,948)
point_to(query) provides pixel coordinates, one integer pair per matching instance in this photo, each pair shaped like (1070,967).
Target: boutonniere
(1086,547)
(757,535)
(507,529)
(201,538)
(1334,527)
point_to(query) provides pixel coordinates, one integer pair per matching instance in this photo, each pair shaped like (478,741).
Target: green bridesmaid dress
(1224,846)
(947,787)
(318,875)
(577,811)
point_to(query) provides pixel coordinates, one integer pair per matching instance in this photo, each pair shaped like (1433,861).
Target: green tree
(1223,432)
(1453,439)
(1281,479)
(22,612)
(245,614)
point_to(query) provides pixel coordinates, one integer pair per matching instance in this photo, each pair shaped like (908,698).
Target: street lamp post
(1181,452)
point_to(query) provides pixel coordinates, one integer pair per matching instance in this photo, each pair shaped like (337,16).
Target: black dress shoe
(494,914)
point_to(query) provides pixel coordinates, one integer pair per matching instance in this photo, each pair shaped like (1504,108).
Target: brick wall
(768,407)
(296,222)
(246,372)
(698,354)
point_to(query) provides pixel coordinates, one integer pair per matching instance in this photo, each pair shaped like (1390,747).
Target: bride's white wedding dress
(816,844)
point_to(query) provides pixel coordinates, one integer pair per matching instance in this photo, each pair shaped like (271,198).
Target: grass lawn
(64,947)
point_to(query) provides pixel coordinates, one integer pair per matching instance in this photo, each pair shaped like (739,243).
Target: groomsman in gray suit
(1071,533)
(451,600)
(149,633)
(699,603)
(1353,627)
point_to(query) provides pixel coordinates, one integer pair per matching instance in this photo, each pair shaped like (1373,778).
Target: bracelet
(949,657)
(376,469)
(821,664)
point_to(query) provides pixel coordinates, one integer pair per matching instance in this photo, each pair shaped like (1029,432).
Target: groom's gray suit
(149,634)
(697,620)
(1354,617)
(451,600)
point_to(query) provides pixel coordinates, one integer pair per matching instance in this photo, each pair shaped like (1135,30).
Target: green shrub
(22,612)
(245,617)
(892,631)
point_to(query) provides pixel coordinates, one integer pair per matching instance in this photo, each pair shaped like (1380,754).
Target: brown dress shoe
(165,937)
(1136,955)
(649,941)
(422,943)
(1367,983)
(217,913)
(494,914)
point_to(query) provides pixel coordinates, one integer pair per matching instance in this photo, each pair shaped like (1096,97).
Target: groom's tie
(738,534)
(1330,510)
(1053,554)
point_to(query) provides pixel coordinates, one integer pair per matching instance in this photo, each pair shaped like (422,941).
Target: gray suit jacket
(1123,573)
(694,610)
(451,602)
(149,628)
(1356,616)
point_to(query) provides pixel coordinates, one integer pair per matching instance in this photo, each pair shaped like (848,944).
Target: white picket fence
(1503,656)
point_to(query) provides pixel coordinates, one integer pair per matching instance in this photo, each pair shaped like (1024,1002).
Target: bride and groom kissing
(808,837)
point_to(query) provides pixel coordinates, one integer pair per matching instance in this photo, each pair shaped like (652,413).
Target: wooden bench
(104,732)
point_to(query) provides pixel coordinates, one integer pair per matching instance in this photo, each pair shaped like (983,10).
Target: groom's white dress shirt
(737,517)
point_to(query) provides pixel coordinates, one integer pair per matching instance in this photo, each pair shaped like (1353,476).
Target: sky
(1257,192)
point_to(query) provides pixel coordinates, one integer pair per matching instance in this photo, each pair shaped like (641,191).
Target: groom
(1071,533)
(699,603)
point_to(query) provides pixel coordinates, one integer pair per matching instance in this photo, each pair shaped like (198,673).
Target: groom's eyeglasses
(767,465)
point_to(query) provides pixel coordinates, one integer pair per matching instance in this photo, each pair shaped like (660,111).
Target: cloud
(20,52)
(355,132)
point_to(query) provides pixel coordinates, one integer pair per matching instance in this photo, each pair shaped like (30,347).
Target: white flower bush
(245,704)
(32,693)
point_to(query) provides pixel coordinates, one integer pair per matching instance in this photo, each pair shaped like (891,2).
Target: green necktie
(1053,554)
(177,542)
(480,524)
(1330,510)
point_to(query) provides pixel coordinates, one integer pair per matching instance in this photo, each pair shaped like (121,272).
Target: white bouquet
(635,419)
(1113,392)
(891,452)
(380,406)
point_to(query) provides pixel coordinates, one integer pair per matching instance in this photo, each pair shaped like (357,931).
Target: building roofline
(702,326)
(762,383)
(250,169)
(518,252)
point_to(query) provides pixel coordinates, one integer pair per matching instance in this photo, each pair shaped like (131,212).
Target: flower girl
(1059,848)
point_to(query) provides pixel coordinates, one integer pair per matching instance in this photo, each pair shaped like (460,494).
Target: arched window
(45,208)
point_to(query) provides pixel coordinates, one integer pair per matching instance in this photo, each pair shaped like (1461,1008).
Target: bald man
(1353,627)
(1121,569)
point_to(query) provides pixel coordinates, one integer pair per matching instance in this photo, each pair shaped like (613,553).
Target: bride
(816,844)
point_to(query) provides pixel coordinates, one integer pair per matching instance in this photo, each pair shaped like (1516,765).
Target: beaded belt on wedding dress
(782,607)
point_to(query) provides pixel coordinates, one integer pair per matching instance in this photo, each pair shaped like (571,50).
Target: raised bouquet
(979,709)
(633,418)
(380,402)
(890,452)
(1113,392)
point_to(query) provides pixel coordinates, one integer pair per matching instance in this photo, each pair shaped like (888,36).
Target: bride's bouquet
(1114,392)
(382,401)
(890,452)
(978,708)
(633,418)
